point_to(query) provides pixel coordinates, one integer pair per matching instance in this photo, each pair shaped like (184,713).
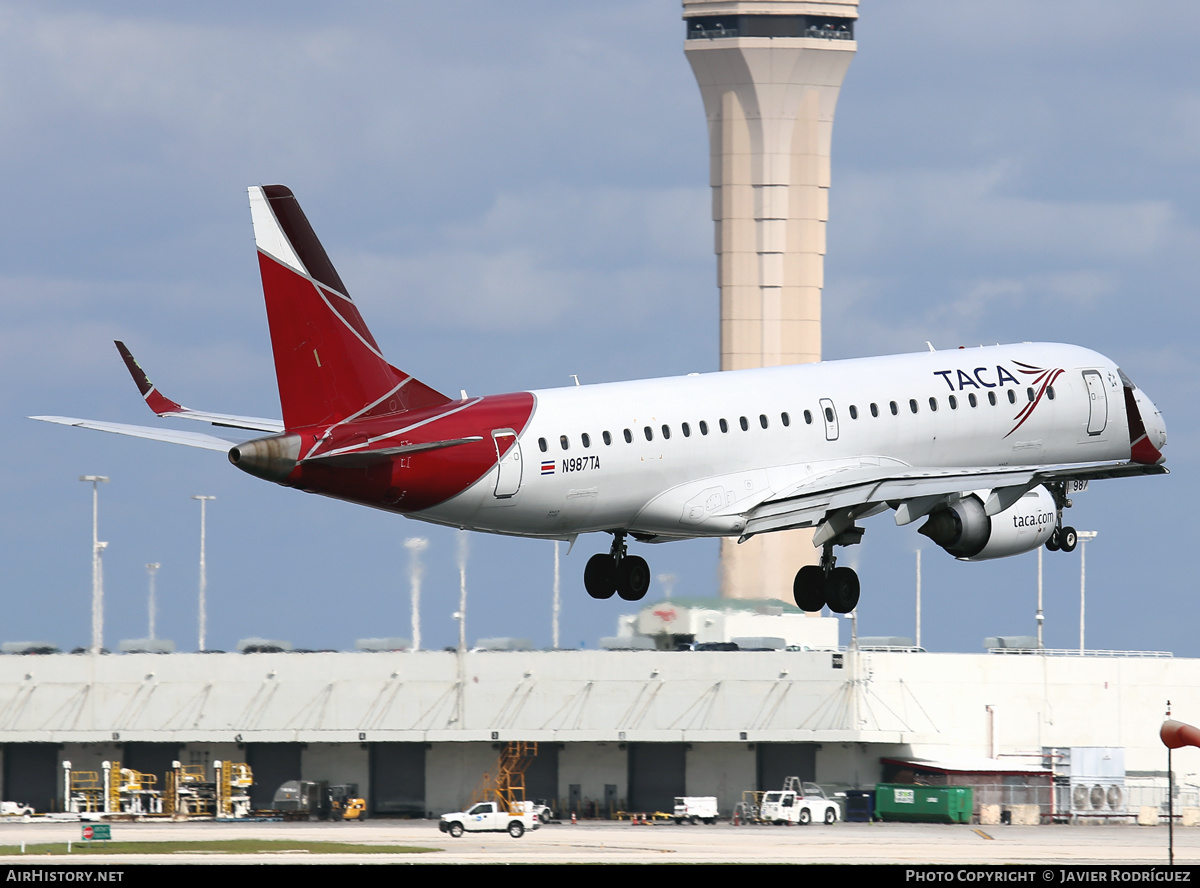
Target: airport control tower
(770,72)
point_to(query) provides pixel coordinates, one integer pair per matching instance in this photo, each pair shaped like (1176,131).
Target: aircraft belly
(549,507)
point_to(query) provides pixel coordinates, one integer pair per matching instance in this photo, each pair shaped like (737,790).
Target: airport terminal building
(616,730)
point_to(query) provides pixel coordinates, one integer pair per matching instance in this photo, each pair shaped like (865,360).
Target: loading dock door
(32,775)
(397,780)
(657,773)
(273,764)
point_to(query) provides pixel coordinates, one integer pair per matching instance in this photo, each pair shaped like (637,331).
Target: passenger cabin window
(585,439)
(562,440)
(1050,393)
(542,444)
(1030,393)
(874,409)
(724,425)
(762,420)
(628,437)
(933,404)
(853,412)
(607,438)
(992,398)
(703,427)
(785,419)
(666,429)
(687,430)
(1012,396)
(912,404)
(972,400)
(829,414)
(807,417)
(742,422)
(895,409)
(953,402)
(649,433)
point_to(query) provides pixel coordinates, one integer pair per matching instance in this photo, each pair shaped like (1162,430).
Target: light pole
(152,569)
(557,604)
(415,546)
(918,598)
(203,571)
(1085,537)
(1041,615)
(97,569)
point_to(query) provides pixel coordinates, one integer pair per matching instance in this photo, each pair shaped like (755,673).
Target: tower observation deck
(769,72)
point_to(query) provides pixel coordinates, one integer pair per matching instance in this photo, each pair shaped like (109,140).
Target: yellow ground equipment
(505,784)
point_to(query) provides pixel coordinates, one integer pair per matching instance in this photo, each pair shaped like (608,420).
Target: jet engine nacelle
(968,533)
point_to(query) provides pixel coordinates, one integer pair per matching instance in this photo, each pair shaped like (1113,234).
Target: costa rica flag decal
(547,467)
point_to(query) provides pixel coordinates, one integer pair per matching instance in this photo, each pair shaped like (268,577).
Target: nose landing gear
(1063,539)
(626,575)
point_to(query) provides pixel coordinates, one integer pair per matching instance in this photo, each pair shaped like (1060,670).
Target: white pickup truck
(488,817)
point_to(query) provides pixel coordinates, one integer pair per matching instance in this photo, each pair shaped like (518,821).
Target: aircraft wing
(188,439)
(831,501)
(164,406)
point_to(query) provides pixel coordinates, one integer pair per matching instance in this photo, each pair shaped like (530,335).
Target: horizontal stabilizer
(188,439)
(164,406)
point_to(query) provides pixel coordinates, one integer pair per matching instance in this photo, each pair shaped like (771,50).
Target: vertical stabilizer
(327,363)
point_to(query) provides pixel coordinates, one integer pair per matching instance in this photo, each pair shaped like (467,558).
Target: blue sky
(519,195)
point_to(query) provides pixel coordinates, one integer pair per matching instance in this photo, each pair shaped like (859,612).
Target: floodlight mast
(203,605)
(97,567)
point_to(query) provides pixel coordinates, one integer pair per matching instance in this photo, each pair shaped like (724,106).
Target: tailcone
(272,458)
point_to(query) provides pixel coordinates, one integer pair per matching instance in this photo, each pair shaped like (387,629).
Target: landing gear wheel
(809,588)
(805,817)
(1068,539)
(633,577)
(841,590)
(1052,544)
(600,576)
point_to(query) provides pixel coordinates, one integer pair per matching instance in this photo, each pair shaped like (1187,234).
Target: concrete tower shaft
(769,72)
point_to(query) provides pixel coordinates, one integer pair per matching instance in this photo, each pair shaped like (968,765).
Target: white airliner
(984,444)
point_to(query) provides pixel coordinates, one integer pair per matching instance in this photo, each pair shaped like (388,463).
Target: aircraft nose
(1147,431)
(1152,418)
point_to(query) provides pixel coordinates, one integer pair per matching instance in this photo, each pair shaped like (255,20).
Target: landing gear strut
(1063,538)
(825,584)
(626,575)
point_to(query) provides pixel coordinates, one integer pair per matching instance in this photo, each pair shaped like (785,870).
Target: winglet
(157,402)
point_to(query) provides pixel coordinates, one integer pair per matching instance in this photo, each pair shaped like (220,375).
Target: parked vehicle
(799,803)
(489,817)
(695,808)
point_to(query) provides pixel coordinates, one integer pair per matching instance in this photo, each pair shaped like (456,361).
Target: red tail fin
(327,363)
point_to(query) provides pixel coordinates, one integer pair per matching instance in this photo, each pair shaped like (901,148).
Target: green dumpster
(924,804)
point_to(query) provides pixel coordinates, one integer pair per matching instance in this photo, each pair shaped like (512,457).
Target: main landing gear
(1063,539)
(626,575)
(820,585)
